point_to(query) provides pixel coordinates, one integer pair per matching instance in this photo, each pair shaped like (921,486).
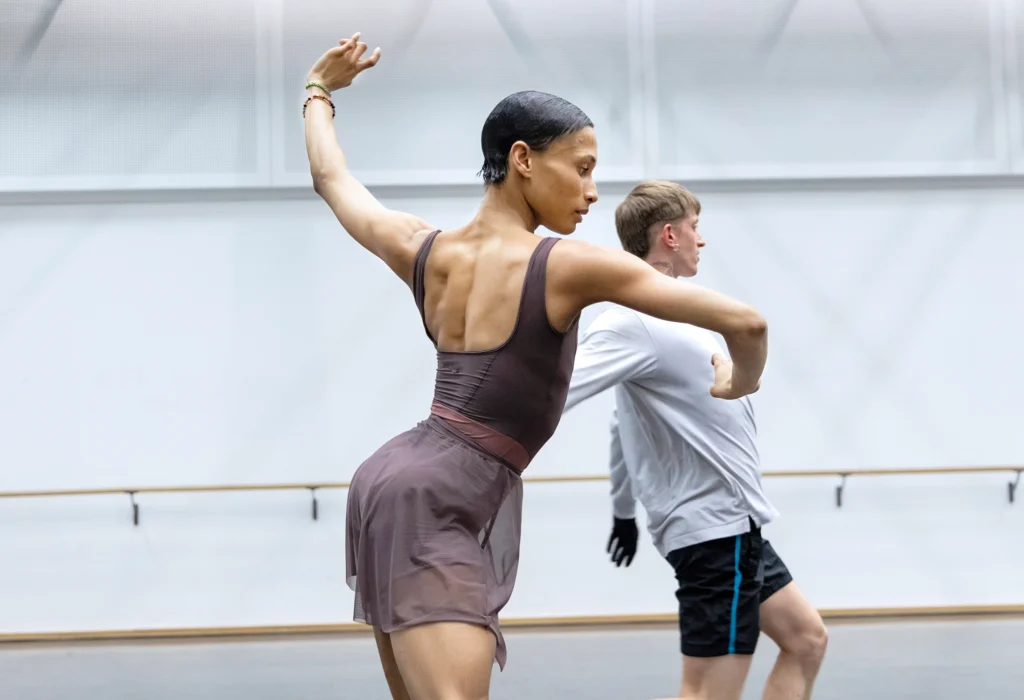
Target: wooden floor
(948,659)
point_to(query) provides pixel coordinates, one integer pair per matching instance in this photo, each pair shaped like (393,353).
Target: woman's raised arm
(392,236)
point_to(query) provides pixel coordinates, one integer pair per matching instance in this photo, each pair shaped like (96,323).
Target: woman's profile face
(560,184)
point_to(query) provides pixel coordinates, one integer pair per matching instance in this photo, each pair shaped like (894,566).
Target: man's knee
(808,644)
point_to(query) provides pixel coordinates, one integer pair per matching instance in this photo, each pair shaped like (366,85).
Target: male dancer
(692,461)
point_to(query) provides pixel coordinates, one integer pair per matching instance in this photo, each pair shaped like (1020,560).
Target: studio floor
(913,660)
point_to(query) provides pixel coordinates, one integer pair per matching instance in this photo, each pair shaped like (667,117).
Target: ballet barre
(832,615)
(843,475)
(313,487)
(131,492)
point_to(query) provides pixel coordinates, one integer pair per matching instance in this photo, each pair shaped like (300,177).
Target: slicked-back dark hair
(535,118)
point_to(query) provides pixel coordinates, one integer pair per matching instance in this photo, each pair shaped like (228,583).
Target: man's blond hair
(651,203)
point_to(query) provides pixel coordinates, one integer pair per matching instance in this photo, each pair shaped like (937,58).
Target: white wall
(232,333)
(252,341)
(204,94)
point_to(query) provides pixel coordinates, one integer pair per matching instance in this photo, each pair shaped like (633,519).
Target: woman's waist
(481,436)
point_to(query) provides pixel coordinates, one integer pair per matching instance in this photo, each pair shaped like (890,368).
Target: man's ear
(667,234)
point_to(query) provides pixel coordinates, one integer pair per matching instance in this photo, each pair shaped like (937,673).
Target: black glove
(622,543)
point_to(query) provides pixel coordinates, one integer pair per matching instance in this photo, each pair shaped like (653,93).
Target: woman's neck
(505,208)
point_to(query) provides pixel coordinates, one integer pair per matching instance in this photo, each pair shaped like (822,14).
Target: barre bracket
(839,490)
(1011,487)
(135,508)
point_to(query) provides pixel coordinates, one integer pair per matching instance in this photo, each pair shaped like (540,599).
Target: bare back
(502,369)
(474,288)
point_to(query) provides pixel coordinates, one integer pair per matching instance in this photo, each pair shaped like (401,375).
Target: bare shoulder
(575,258)
(417,238)
(402,257)
(587,273)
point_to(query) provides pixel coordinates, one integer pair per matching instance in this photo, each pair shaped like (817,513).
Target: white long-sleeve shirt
(689,458)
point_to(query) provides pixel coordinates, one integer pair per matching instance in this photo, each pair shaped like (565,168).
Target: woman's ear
(519,158)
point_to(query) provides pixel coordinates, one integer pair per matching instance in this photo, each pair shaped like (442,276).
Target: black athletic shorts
(722,584)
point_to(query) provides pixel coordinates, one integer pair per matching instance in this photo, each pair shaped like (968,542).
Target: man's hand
(622,543)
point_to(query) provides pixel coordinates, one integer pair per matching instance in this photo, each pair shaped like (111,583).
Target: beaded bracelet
(315,84)
(317,97)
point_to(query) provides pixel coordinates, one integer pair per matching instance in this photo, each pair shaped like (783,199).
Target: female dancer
(433,517)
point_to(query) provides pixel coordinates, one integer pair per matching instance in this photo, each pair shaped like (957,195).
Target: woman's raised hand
(338,67)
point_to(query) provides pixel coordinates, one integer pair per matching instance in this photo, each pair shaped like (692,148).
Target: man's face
(687,258)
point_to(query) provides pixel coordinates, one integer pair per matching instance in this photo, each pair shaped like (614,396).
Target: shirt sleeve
(616,348)
(623,501)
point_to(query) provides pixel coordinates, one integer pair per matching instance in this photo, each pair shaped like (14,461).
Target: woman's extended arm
(586,274)
(390,235)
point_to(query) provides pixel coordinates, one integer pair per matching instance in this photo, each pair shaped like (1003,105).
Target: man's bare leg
(789,619)
(715,678)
